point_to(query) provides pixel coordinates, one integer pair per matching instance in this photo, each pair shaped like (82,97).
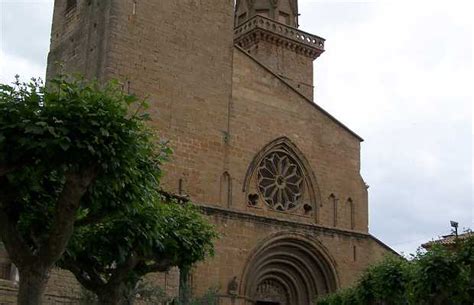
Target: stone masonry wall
(241,234)
(79,37)
(263,109)
(295,68)
(179,55)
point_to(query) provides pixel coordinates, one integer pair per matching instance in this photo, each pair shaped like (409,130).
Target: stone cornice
(260,28)
(213,210)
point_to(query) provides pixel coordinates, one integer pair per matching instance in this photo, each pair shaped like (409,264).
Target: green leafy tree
(384,283)
(466,258)
(440,276)
(70,154)
(110,258)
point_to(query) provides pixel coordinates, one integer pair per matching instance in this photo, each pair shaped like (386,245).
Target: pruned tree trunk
(184,289)
(35,265)
(121,294)
(32,285)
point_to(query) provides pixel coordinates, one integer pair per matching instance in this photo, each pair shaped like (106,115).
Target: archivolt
(291,268)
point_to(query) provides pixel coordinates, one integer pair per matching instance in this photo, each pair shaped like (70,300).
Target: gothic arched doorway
(288,269)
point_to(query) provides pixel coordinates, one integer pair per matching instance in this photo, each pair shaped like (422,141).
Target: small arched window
(333,204)
(226,189)
(351,207)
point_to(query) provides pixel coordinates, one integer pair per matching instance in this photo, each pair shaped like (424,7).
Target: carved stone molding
(289,269)
(260,28)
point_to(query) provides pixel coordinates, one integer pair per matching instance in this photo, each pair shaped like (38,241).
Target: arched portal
(288,269)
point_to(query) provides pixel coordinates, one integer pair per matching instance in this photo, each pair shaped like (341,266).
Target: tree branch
(84,275)
(17,248)
(123,270)
(161,266)
(68,203)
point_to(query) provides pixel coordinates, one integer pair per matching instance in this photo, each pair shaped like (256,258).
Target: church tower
(178,54)
(268,30)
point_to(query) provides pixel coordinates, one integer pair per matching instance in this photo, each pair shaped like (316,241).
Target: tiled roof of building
(448,240)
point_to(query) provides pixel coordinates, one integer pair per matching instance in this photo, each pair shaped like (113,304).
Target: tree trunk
(184,289)
(33,283)
(116,295)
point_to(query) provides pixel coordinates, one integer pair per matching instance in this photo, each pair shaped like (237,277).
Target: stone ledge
(261,28)
(232,214)
(213,210)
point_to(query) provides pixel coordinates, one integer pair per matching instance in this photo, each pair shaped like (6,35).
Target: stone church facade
(231,87)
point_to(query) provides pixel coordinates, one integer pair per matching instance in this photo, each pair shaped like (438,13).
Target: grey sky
(398,73)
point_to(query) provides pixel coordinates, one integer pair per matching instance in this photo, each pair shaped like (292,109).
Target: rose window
(280,181)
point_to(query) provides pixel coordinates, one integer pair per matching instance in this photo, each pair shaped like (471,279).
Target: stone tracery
(280,181)
(280,178)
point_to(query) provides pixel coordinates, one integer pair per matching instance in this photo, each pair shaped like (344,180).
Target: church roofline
(300,94)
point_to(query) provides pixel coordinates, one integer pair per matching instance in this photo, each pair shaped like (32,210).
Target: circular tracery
(280,181)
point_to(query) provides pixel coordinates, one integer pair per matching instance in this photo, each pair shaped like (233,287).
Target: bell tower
(268,30)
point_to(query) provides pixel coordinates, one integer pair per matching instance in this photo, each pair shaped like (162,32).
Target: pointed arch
(284,144)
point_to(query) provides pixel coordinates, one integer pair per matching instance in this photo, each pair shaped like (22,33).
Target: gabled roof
(300,94)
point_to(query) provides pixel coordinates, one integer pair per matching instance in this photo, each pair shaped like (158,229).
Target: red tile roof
(447,240)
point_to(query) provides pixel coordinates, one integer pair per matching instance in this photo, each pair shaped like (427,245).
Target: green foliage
(441,276)
(438,276)
(48,134)
(115,254)
(187,237)
(385,282)
(152,234)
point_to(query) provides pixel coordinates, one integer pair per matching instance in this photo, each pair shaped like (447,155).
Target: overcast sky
(399,73)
